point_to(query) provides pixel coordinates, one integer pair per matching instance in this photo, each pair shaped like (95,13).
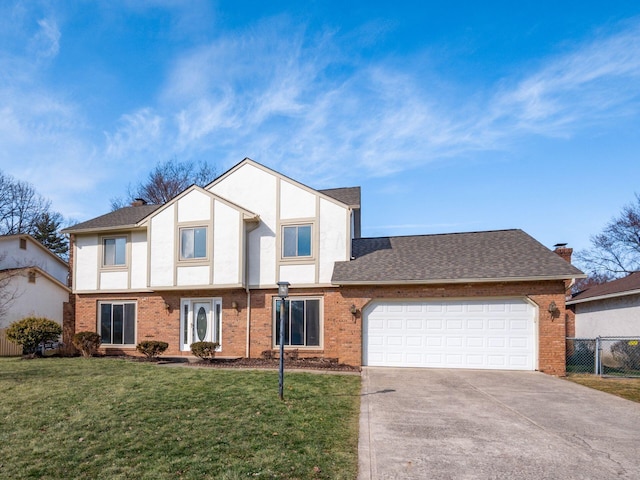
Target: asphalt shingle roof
(348,195)
(123,217)
(627,284)
(476,256)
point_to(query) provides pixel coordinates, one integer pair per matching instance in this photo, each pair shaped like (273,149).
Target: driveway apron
(477,424)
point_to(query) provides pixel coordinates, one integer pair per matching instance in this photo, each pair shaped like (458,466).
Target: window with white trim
(117,323)
(114,251)
(193,243)
(296,241)
(302,322)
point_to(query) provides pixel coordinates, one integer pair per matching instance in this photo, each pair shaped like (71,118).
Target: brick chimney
(564,252)
(138,202)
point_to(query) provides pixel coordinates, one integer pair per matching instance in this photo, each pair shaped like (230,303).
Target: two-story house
(204,266)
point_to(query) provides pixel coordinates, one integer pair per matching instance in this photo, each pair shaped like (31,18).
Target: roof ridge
(442,234)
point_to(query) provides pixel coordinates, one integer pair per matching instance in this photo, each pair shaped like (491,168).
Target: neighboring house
(611,309)
(204,266)
(33,282)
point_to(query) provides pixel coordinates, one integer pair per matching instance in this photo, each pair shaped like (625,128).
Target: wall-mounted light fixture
(167,306)
(553,308)
(353,309)
(234,305)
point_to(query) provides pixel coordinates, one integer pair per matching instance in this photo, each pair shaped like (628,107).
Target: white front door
(201,321)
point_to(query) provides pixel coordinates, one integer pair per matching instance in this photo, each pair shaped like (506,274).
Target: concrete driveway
(474,424)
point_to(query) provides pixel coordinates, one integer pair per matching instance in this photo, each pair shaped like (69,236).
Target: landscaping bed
(315,363)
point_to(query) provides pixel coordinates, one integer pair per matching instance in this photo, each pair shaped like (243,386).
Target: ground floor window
(117,323)
(302,324)
(200,321)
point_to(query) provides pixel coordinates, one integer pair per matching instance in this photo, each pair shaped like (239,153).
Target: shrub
(627,354)
(204,350)
(87,342)
(152,348)
(31,332)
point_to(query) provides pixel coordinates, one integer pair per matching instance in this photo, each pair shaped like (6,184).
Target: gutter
(456,280)
(603,297)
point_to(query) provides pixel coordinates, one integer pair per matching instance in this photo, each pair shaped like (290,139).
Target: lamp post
(283,293)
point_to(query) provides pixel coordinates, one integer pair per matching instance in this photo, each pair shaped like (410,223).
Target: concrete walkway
(465,424)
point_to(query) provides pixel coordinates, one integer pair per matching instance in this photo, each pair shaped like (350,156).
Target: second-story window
(296,241)
(193,243)
(114,251)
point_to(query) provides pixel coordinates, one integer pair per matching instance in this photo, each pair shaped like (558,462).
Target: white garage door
(488,334)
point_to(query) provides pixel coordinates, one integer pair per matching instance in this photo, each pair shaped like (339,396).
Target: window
(114,251)
(117,323)
(32,277)
(296,241)
(301,322)
(193,243)
(23,243)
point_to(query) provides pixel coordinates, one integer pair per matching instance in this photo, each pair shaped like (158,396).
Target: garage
(480,334)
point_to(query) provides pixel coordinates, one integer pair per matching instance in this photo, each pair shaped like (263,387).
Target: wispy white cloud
(267,92)
(46,42)
(298,101)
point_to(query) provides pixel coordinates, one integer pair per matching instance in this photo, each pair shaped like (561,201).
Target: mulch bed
(300,363)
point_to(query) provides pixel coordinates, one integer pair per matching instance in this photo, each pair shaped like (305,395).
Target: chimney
(561,250)
(138,202)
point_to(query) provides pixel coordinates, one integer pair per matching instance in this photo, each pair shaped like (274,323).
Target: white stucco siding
(333,238)
(226,245)
(196,275)
(255,189)
(296,202)
(613,317)
(12,256)
(162,229)
(194,207)
(298,274)
(45,298)
(114,280)
(86,262)
(139,260)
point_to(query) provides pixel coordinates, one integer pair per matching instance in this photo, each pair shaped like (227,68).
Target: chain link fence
(606,356)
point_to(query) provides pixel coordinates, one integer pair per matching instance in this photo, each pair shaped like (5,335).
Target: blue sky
(452,116)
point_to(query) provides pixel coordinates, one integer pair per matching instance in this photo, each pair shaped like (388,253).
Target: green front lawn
(107,418)
(628,388)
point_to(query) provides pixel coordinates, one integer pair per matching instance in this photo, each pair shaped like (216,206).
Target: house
(33,282)
(611,309)
(204,266)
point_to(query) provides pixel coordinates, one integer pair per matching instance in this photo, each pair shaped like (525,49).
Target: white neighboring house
(608,310)
(35,280)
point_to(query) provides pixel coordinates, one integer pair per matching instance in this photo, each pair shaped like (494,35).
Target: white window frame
(276,322)
(103,242)
(297,227)
(181,258)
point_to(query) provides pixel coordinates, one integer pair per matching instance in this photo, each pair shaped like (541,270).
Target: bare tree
(20,206)
(9,289)
(166,181)
(615,251)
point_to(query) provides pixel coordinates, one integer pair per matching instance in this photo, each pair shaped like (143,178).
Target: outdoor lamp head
(283,289)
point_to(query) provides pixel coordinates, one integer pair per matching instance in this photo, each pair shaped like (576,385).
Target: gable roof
(248,215)
(504,255)
(347,195)
(126,217)
(323,193)
(629,285)
(37,244)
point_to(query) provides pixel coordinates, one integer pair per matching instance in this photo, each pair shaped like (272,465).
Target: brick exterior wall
(342,333)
